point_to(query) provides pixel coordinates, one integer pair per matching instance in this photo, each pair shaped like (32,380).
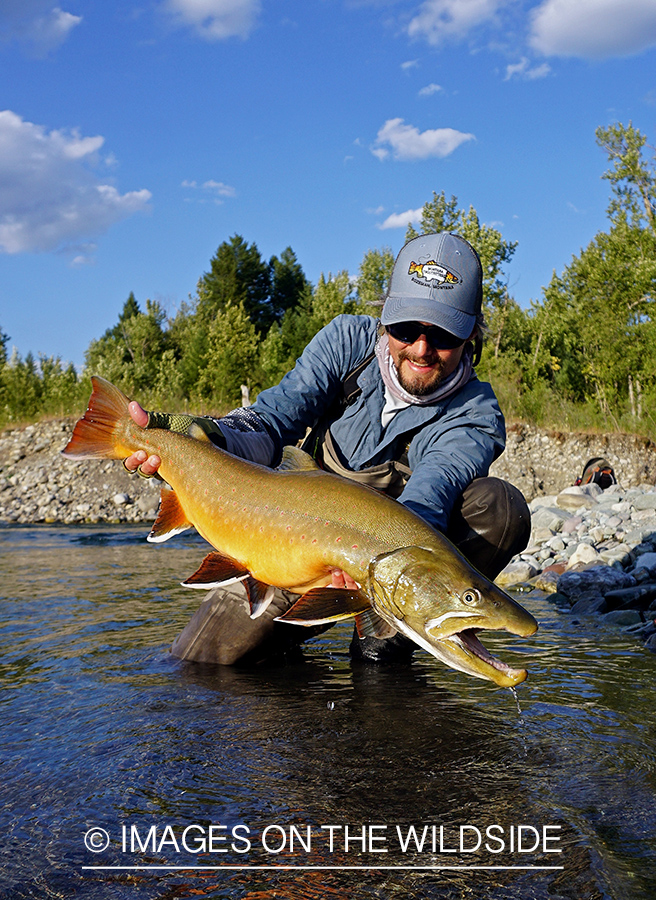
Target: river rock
(590,605)
(598,579)
(516,573)
(623,617)
(639,597)
(584,553)
(646,561)
(549,517)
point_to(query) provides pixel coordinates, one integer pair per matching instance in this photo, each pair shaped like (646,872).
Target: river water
(302,781)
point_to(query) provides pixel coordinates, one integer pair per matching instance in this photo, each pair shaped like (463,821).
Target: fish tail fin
(95,435)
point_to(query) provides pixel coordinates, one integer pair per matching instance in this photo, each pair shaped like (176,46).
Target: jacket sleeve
(314,384)
(447,456)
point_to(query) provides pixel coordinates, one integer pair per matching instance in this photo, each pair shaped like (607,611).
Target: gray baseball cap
(437,278)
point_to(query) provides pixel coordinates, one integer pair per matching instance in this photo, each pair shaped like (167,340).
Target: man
(395,405)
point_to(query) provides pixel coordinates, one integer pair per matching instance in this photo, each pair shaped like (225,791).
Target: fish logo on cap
(432,271)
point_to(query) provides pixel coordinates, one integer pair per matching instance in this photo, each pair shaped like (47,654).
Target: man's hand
(341,579)
(148,465)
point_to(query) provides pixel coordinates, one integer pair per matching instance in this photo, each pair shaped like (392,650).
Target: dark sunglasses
(438,338)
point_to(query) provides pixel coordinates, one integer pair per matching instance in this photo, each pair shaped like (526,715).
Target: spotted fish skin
(293,526)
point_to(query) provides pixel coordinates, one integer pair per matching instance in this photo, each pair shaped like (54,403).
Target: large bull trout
(291,527)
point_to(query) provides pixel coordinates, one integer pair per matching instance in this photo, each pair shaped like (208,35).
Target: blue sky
(136,137)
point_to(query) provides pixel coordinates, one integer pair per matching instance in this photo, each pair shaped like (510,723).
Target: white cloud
(594,29)
(50,196)
(216,20)
(213,190)
(430,89)
(409,64)
(402,220)
(523,70)
(38,23)
(441,19)
(408,143)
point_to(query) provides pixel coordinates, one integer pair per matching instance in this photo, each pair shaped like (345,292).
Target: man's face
(420,367)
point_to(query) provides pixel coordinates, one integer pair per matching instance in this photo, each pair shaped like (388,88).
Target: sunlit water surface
(102,728)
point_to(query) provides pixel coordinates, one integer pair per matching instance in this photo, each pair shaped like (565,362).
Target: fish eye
(471,595)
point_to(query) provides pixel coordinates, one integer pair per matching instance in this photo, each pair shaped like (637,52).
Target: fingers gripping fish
(291,527)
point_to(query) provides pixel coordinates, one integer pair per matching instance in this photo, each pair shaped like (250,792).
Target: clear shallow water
(101,728)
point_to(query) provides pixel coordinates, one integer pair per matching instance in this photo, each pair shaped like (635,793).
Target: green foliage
(333,296)
(288,283)
(373,280)
(232,358)
(583,356)
(129,354)
(237,276)
(284,343)
(4,340)
(29,390)
(634,183)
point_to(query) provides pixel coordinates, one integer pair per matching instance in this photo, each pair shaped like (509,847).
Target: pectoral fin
(171,518)
(370,624)
(326,604)
(216,570)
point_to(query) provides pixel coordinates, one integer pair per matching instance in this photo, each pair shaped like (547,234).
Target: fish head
(441,602)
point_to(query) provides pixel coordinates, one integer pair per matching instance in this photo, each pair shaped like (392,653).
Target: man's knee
(490,524)
(222,632)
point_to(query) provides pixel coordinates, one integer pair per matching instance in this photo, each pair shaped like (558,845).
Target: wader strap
(389,477)
(351,390)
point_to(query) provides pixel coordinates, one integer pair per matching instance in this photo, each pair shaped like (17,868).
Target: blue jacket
(457,440)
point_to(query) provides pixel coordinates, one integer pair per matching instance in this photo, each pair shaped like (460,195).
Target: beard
(414,382)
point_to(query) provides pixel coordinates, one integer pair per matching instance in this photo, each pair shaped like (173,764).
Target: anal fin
(323,605)
(216,570)
(171,518)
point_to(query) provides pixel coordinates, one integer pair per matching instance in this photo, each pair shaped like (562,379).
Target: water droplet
(331,704)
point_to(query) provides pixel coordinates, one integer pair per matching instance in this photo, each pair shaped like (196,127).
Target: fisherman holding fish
(394,404)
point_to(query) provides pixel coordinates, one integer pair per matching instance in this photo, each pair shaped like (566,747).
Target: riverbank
(38,485)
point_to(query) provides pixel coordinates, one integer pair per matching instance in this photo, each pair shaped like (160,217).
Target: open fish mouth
(473,657)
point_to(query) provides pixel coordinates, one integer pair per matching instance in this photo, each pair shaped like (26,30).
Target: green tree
(129,354)
(4,340)
(232,358)
(284,343)
(22,388)
(332,297)
(188,340)
(288,283)
(237,276)
(438,214)
(633,180)
(373,280)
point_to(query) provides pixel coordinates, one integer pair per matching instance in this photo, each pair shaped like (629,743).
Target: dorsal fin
(171,518)
(197,433)
(216,569)
(296,460)
(326,604)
